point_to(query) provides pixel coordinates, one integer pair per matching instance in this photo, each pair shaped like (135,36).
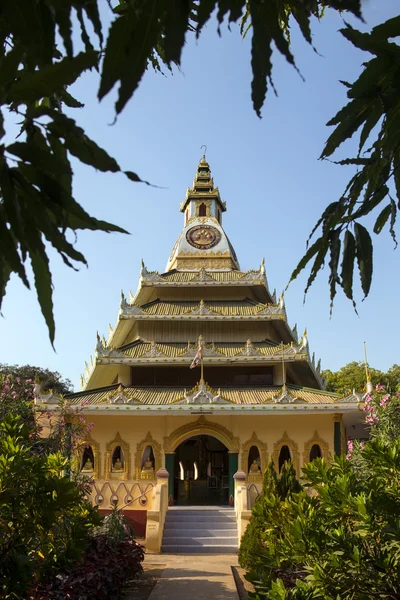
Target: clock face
(203,236)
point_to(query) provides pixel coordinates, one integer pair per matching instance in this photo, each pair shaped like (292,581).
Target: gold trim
(263,451)
(110,447)
(316,439)
(294,451)
(187,262)
(337,417)
(147,441)
(201,427)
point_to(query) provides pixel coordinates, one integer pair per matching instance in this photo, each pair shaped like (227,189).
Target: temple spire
(203,242)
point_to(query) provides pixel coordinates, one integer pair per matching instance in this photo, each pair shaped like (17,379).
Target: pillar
(337,433)
(124,375)
(233,467)
(170,467)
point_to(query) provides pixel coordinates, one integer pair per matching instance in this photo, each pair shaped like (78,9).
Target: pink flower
(6,388)
(379,387)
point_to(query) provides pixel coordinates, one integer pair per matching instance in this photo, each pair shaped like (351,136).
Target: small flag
(196,359)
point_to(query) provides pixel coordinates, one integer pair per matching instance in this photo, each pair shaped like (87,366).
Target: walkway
(194,577)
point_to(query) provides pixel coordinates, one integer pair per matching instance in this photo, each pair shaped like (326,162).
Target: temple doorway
(201,472)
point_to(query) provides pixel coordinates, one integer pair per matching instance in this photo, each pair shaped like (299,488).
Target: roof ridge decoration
(203,276)
(202,393)
(285,396)
(249,349)
(202,309)
(120,397)
(102,350)
(154,351)
(42,397)
(149,275)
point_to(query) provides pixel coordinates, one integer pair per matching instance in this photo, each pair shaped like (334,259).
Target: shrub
(343,540)
(268,503)
(104,571)
(45,521)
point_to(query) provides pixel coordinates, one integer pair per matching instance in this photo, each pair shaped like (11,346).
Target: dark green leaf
(349,254)
(383,217)
(50,80)
(176,24)
(70,100)
(334,248)
(132,38)
(46,161)
(364,256)
(43,283)
(92,11)
(312,250)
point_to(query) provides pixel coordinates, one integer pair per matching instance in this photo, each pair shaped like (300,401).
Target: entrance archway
(201,472)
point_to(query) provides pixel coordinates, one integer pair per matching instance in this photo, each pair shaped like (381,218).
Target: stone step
(200,526)
(181,518)
(198,512)
(201,541)
(200,533)
(204,549)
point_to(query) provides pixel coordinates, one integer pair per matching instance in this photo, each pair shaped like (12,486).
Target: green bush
(274,491)
(45,521)
(339,538)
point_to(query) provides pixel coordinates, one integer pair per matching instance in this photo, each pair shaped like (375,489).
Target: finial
(262,268)
(282,300)
(143,265)
(369,386)
(203,159)
(97,336)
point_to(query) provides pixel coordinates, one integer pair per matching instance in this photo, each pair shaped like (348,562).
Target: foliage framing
(36,203)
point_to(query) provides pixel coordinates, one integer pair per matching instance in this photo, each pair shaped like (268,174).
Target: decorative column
(170,467)
(233,467)
(337,433)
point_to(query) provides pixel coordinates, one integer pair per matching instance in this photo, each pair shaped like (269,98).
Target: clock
(203,236)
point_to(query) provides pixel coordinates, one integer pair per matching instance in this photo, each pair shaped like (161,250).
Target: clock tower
(202,243)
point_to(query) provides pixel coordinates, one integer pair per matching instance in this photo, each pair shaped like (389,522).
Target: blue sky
(267,171)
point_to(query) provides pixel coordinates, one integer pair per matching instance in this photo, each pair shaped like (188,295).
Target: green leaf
(383,217)
(364,256)
(349,255)
(176,24)
(312,250)
(132,38)
(334,247)
(70,100)
(41,159)
(92,12)
(43,283)
(52,79)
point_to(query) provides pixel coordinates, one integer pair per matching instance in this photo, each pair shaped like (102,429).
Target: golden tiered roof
(225,308)
(204,276)
(143,349)
(158,396)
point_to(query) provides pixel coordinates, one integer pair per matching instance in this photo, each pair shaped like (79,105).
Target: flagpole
(201,364)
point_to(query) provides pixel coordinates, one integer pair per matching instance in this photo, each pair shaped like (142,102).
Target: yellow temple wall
(240,432)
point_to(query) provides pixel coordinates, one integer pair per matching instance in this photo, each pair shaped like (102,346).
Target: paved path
(194,577)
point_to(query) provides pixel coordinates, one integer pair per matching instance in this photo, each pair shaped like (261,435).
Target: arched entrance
(201,472)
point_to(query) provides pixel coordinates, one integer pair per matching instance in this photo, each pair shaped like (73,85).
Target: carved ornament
(110,447)
(316,439)
(89,441)
(201,427)
(294,451)
(263,451)
(140,447)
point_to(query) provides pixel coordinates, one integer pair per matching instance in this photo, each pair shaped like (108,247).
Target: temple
(168,435)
